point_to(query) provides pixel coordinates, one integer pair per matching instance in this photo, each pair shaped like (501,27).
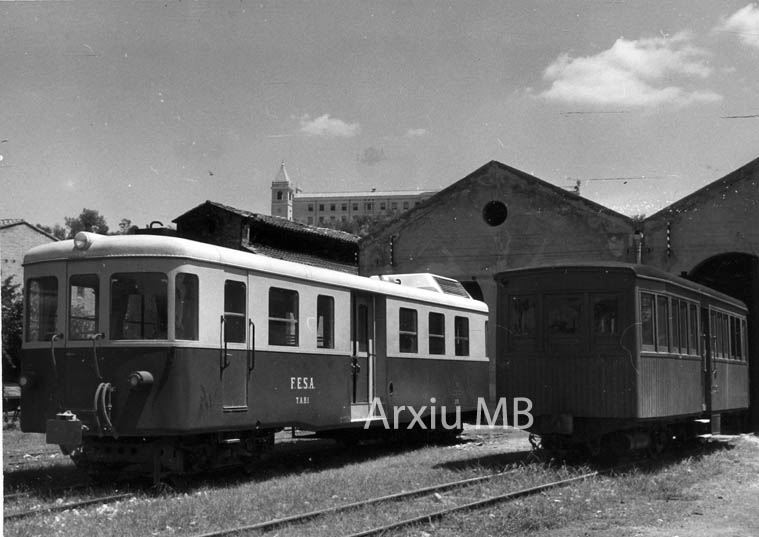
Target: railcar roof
(640,271)
(135,246)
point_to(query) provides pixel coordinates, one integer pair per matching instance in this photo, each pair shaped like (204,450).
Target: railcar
(163,355)
(618,356)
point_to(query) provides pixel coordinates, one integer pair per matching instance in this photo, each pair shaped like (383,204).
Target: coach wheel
(659,439)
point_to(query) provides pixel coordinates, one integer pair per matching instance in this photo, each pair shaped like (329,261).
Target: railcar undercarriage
(169,457)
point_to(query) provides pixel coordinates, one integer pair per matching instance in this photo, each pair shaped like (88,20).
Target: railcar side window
(407,324)
(325,322)
(461,335)
(41,308)
(437,333)
(283,317)
(186,306)
(647,321)
(605,314)
(662,323)
(564,314)
(234,311)
(138,305)
(83,305)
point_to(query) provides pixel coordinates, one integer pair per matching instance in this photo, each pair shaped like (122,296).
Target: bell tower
(282,193)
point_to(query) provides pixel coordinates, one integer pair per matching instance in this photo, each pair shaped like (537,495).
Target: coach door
(709,368)
(362,362)
(234,348)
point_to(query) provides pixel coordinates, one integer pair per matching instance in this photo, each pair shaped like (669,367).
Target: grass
(310,476)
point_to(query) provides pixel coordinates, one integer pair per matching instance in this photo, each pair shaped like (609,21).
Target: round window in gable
(494,213)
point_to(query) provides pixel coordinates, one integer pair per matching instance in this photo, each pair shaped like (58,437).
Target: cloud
(631,73)
(744,23)
(372,155)
(415,133)
(327,126)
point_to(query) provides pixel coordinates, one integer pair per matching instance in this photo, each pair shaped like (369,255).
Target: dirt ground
(721,505)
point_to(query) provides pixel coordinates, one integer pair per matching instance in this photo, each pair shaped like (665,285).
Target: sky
(144,110)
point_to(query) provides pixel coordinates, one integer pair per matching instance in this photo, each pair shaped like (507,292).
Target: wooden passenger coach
(615,351)
(142,344)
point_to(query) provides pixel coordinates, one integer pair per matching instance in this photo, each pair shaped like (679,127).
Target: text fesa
(302,383)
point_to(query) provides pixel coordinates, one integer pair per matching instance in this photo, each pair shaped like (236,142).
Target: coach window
(522,316)
(407,325)
(283,317)
(684,337)
(647,331)
(437,333)
(83,305)
(662,324)
(605,314)
(138,305)
(564,315)
(675,340)
(186,306)
(325,322)
(41,308)
(744,355)
(461,335)
(693,329)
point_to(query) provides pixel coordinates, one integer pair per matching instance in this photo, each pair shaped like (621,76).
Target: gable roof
(466,182)
(6,223)
(747,172)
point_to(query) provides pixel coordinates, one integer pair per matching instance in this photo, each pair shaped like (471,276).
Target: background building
(327,208)
(271,236)
(16,237)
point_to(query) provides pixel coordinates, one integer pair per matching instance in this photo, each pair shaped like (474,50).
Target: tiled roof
(4,222)
(283,223)
(299,257)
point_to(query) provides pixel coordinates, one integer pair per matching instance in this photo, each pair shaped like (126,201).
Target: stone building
(328,208)
(16,237)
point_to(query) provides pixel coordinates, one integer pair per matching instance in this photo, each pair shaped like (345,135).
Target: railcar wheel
(659,439)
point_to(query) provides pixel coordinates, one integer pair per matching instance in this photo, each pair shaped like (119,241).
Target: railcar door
(234,351)
(79,360)
(362,363)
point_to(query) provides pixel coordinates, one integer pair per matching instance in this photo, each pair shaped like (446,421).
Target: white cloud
(631,73)
(328,126)
(744,23)
(415,133)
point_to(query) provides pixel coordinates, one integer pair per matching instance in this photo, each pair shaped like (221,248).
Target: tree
(89,220)
(12,328)
(361,226)
(57,231)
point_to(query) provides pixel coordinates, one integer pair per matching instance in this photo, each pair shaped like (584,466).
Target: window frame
(436,343)
(291,339)
(408,333)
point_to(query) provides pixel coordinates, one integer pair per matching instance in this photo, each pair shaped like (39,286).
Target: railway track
(57,507)
(418,493)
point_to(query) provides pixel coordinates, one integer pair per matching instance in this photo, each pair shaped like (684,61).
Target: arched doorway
(737,275)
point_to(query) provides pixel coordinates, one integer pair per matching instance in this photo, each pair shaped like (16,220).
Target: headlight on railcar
(82,241)
(27,380)
(140,380)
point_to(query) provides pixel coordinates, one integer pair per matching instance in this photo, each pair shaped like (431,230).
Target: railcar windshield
(83,305)
(41,308)
(139,305)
